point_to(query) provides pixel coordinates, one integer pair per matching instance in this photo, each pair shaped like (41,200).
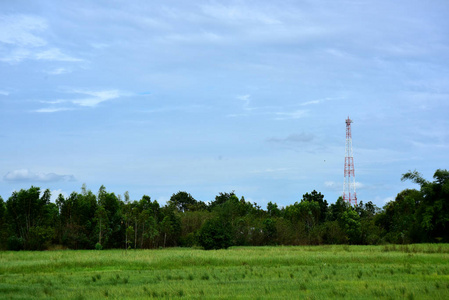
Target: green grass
(320,272)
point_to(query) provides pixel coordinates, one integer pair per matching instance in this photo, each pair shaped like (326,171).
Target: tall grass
(320,272)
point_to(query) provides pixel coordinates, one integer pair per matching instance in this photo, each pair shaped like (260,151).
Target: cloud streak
(20,30)
(94,99)
(22,37)
(25,175)
(297,114)
(293,138)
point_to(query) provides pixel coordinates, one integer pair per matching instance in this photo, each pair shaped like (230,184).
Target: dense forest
(30,221)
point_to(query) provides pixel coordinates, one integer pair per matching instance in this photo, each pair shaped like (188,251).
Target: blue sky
(153,97)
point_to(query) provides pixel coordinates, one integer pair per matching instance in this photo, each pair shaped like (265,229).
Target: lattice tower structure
(349,193)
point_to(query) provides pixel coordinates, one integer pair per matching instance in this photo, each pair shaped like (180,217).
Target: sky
(156,97)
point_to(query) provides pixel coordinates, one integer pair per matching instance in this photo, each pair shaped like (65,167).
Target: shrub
(15,243)
(215,234)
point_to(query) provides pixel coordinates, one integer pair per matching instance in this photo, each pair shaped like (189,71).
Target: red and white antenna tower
(349,194)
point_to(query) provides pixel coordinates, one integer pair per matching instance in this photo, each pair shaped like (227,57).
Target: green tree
(273,210)
(269,229)
(28,215)
(150,214)
(398,218)
(221,199)
(170,227)
(432,211)
(110,217)
(215,234)
(314,196)
(371,233)
(3,234)
(337,209)
(101,218)
(183,202)
(351,225)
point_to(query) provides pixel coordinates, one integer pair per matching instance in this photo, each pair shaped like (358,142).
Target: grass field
(318,272)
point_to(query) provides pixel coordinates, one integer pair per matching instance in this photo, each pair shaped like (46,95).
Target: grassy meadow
(303,272)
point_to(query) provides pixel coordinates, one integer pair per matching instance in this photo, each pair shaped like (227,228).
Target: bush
(39,237)
(98,246)
(215,234)
(15,243)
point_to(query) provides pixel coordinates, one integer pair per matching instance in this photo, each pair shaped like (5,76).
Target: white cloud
(330,184)
(20,30)
(55,194)
(334,185)
(310,102)
(238,14)
(318,101)
(294,138)
(54,54)
(388,199)
(100,45)
(21,34)
(297,114)
(54,101)
(270,170)
(359,185)
(52,109)
(25,175)
(380,201)
(4,93)
(246,100)
(58,71)
(97,97)
(16,55)
(244,97)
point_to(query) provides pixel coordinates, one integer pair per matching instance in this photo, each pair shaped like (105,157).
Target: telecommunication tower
(349,194)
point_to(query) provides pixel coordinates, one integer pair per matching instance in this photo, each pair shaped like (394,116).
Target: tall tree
(183,201)
(3,233)
(31,217)
(432,213)
(109,215)
(318,198)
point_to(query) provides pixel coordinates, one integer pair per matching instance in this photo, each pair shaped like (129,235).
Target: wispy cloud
(22,35)
(330,184)
(25,175)
(55,194)
(246,100)
(339,186)
(16,55)
(96,97)
(21,30)
(92,99)
(58,71)
(244,97)
(318,101)
(4,93)
(299,142)
(293,138)
(52,109)
(270,170)
(54,54)
(234,14)
(297,114)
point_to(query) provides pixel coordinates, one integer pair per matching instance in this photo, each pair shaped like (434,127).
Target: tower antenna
(349,193)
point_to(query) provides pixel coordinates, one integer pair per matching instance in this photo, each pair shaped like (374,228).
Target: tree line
(30,221)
